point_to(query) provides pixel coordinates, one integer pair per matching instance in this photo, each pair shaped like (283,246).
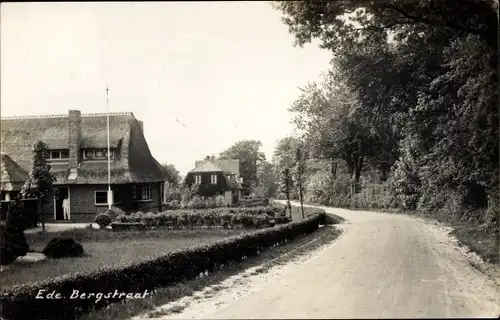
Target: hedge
(19,302)
(256,217)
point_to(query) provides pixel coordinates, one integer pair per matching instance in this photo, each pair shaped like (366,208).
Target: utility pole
(110,193)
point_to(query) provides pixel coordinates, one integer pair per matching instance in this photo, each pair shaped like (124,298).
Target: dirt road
(382,266)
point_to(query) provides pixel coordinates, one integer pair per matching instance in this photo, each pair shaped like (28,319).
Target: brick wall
(84,209)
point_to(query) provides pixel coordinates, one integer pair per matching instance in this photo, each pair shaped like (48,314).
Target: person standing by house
(65,205)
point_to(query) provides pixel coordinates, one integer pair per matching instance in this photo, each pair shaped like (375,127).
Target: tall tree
(40,181)
(284,152)
(299,175)
(334,124)
(250,156)
(267,180)
(286,182)
(172,174)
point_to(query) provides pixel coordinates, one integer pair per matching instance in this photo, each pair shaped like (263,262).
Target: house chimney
(74,133)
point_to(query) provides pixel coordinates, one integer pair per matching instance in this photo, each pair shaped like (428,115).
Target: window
(213,179)
(58,154)
(100,153)
(197,179)
(142,192)
(88,154)
(97,153)
(101,197)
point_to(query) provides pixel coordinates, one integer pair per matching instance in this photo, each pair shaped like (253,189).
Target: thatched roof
(226,165)
(133,161)
(11,174)
(207,166)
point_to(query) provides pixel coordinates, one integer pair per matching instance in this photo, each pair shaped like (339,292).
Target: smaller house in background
(217,177)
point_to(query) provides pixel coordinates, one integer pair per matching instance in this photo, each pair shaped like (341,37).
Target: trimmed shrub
(12,244)
(196,202)
(103,220)
(19,302)
(255,217)
(60,247)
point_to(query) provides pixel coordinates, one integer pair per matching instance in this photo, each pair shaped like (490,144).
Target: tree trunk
(289,206)
(356,175)
(334,168)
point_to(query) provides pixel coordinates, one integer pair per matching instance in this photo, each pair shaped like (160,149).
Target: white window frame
(51,157)
(103,153)
(197,178)
(106,203)
(84,154)
(94,156)
(213,178)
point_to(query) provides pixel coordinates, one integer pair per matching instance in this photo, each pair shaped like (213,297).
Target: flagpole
(110,194)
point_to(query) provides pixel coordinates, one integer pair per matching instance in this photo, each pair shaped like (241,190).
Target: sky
(200,75)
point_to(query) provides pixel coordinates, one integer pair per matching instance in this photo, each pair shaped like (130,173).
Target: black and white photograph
(249,160)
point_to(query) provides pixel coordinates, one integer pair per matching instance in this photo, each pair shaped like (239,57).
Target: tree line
(406,116)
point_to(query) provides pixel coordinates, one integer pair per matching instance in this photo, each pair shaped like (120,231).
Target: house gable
(11,174)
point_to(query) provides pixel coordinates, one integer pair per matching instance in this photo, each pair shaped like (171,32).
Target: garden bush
(255,217)
(103,220)
(12,244)
(196,202)
(61,247)
(20,303)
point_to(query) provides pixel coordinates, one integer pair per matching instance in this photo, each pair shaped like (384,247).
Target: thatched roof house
(78,149)
(133,162)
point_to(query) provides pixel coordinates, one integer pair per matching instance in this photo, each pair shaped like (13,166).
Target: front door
(63,193)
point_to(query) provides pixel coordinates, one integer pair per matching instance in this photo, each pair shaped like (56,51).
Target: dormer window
(100,153)
(55,155)
(97,154)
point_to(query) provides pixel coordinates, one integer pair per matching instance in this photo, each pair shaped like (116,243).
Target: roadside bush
(103,220)
(20,303)
(12,244)
(60,247)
